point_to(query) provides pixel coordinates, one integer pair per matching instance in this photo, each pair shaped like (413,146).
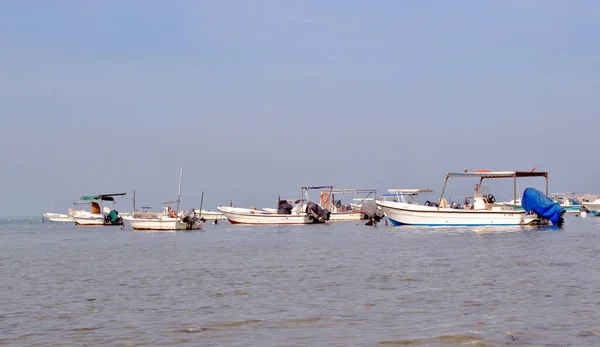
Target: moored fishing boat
(593,206)
(165,221)
(60,217)
(237,215)
(210,214)
(481,212)
(566,201)
(352,211)
(94,216)
(304,212)
(168,220)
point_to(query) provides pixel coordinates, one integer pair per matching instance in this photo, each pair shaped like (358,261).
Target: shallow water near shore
(339,284)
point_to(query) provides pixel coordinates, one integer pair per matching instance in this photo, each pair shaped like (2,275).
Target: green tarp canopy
(97,197)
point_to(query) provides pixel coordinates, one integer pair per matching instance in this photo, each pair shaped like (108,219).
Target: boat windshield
(404,195)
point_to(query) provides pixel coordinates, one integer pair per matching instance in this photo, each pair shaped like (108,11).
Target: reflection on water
(338,284)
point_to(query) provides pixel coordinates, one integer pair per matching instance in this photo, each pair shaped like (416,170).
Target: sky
(258,98)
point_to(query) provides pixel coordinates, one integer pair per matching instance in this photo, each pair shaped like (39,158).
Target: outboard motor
(317,213)
(535,201)
(371,212)
(189,217)
(113,218)
(284,207)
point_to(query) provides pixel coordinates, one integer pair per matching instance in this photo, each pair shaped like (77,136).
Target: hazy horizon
(258,99)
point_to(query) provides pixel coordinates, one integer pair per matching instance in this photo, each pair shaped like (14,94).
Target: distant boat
(352,211)
(168,220)
(592,206)
(60,217)
(304,212)
(566,201)
(165,221)
(210,214)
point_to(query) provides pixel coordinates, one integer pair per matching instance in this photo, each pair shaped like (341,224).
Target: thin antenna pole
(179,192)
(201,202)
(134,202)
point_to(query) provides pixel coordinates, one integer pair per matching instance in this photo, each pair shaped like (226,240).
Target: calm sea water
(323,285)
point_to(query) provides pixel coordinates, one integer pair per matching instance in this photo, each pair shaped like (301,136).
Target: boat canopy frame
(356,192)
(402,193)
(496,174)
(102,197)
(304,191)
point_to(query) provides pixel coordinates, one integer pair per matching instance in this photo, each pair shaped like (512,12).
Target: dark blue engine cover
(538,202)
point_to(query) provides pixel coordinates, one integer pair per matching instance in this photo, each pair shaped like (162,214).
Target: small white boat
(168,220)
(347,212)
(592,206)
(237,215)
(566,201)
(304,212)
(210,214)
(481,212)
(162,221)
(60,217)
(94,216)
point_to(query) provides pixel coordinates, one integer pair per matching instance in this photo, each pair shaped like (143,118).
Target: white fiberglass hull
(237,215)
(162,223)
(58,217)
(51,215)
(339,216)
(90,219)
(210,215)
(593,207)
(61,219)
(399,213)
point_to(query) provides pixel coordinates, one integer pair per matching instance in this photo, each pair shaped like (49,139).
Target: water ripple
(337,284)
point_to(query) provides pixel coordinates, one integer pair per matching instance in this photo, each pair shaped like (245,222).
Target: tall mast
(179,192)
(201,201)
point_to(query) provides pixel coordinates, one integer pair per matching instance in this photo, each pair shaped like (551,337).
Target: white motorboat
(60,217)
(165,221)
(592,206)
(94,216)
(481,212)
(211,215)
(237,215)
(566,201)
(168,220)
(353,211)
(304,212)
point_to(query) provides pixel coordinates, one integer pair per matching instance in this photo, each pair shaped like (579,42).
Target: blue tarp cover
(538,202)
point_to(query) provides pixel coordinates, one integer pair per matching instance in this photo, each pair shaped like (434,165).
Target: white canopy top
(352,190)
(409,191)
(498,174)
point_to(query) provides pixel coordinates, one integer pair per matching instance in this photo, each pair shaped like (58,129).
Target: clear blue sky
(257,98)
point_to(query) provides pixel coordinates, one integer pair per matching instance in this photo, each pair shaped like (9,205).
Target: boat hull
(211,215)
(247,216)
(58,217)
(568,208)
(93,220)
(53,215)
(341,216)
(164,224)
(594,208)
(61,219)
(411,214)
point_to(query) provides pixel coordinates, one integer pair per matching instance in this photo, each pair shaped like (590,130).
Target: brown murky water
(342,284)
